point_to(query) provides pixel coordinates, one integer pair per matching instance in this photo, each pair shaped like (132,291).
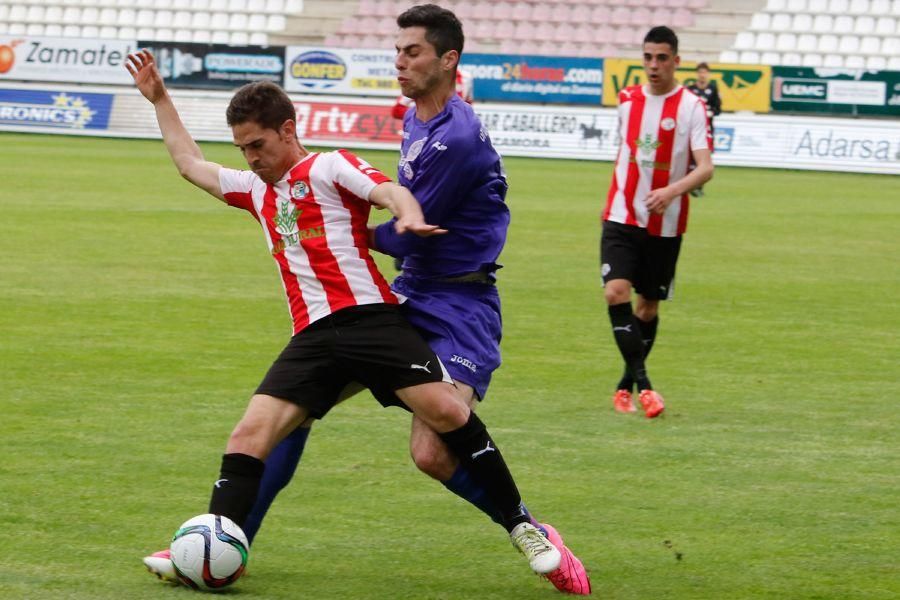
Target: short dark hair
(442,29)
(662,35)
(262,102)
(703,65)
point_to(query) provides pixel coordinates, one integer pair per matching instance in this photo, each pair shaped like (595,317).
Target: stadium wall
(565,132)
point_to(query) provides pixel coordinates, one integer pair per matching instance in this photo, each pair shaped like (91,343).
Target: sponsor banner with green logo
(838,91)
(741,87)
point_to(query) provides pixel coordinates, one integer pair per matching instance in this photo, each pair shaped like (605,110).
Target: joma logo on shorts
(456,358)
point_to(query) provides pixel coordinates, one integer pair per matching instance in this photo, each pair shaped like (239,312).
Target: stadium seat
(828,43)
(239,38)
(258,38)
(728,56)
(20,29)
(838,7)
(219,37)
(890,47)
(885,26)
(68,31)
(776,5)
(545,31)
(786,42)
(183,35)
(145,33)
(770,58)
(108,32)
(744,40)
(780,22)
(127,33)
(237,6)
(764,41)
(89,16)
(54,16)
(562,13)
(795,6)
(812,60)
(849,44)
(18,13)
(802,23)
(109,16)
(237,22)
(200,20)
(760,22)
(218,5)
(276,23)
(816,7)
(524,31)
(854,62)
(791,59)
(833,60)
(35,29)
(126,17)
(864,25)
(219,21)
(35,14)
(256,22)
(521,11)
(750,57)
(807,42)
(876,63)
(90,31)
(162,19)
(165,34)
(880,7)
(55,30)
(870,44)
(893,63)
(182,20)
(843,24)
(859,7)
(823,24)
(145,17)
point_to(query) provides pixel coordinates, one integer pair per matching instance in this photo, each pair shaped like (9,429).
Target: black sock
(235,491)
(626,330)
(473,446)
(648,335)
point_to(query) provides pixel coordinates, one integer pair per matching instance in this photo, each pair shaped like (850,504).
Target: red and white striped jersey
(657,136)
(315,223)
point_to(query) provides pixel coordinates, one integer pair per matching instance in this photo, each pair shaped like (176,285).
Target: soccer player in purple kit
(449,164)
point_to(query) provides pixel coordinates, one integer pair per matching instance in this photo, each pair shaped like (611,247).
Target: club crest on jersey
(299,190)
(415,149)
(668,124)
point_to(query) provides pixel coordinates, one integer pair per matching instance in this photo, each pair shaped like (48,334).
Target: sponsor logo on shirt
(648,144)
(285,222)
(668,124)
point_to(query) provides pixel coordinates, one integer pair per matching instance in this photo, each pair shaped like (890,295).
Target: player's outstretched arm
(182,148)
(401,203)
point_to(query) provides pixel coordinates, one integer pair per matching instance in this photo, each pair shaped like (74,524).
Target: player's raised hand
(146,76)
(418,227)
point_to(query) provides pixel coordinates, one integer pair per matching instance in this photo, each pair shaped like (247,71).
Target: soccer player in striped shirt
(449,164)
(313,209)
(662,127)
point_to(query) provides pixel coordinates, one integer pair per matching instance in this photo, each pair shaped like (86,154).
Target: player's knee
(616,294)
(247,437)
(433,461)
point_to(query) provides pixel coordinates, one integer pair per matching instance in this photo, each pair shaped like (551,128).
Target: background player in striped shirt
(313,209)
(662,128)
(451,167)
(706,89)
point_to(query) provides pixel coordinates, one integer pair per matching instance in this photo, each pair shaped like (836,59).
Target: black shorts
(647,261)
(370,344)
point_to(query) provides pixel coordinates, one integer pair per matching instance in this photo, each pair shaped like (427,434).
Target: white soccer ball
(209,552)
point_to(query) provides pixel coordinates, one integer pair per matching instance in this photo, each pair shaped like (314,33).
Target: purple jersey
(451,167)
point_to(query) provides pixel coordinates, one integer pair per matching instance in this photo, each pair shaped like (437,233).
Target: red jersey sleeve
(237,188)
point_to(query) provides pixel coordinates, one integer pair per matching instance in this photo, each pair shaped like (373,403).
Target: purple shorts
(462,324)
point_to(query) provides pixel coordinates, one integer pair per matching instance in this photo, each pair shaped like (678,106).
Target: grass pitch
(138,314)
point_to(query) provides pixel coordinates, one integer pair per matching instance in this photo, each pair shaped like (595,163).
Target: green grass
(137,315)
